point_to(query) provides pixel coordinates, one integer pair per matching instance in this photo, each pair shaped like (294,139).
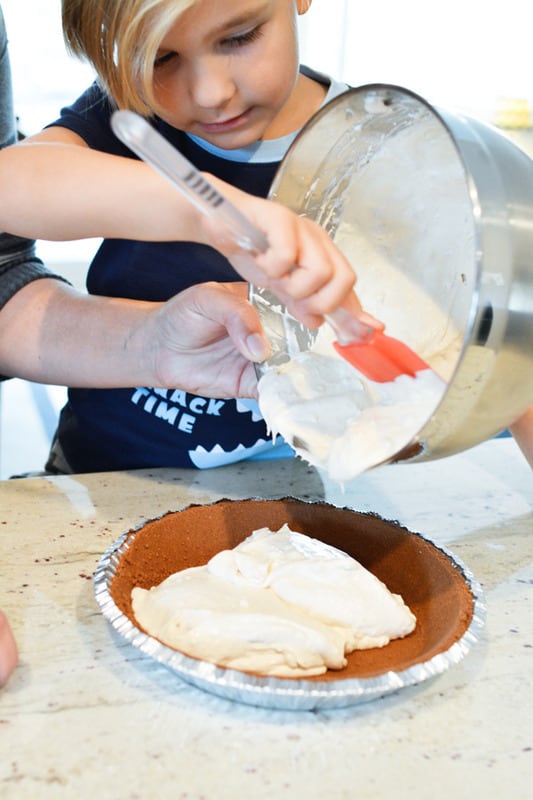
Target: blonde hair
(120,38)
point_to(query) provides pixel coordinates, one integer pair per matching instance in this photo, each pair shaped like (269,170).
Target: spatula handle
(347,328)
(146,142)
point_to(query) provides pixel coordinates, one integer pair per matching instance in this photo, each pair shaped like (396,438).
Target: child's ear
(303,5)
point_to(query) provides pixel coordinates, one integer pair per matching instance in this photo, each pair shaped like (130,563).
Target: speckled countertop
(86,715)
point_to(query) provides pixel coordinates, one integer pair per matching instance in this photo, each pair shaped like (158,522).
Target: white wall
(44,75)
(45,78)
(458,54)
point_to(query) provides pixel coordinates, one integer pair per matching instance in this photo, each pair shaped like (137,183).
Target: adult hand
(201,340)
(204,340)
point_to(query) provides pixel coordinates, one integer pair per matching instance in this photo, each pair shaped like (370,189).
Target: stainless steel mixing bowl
(463,248)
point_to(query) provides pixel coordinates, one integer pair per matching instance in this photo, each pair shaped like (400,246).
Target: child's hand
(522,431)
(8,650)
(302,265)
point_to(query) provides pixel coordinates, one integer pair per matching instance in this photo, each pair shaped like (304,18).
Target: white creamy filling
(279,604)
(338,420)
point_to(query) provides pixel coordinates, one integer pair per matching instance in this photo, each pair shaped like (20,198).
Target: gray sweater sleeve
(19,266)
(18,263)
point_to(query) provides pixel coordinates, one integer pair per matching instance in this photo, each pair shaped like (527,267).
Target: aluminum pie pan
(287,693)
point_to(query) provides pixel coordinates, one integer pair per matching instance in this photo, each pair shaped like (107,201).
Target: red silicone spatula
(381,358)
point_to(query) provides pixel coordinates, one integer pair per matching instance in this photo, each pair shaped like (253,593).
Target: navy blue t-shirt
(110,429)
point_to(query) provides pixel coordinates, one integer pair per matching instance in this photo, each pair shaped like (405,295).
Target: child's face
(227,69)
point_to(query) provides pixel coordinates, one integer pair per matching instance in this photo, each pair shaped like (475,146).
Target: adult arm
(202,340)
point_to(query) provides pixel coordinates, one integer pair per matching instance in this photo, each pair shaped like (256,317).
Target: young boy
(221,81)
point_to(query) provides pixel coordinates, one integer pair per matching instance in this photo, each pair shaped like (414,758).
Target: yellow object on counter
(513,113)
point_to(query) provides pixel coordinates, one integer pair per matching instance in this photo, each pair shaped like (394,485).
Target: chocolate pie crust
(433,587)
